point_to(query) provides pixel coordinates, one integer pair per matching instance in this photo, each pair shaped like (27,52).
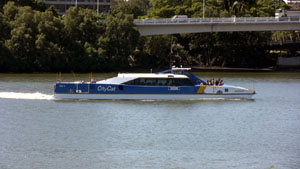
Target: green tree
(158,49)
(10,10)
(32,39)
(4,28)
(239,7)
(119,41)
(202,47)
(4,52)
(267,8)
(82,28)
(169,8)
(49,48)
(133,7)
(34,4)
(22,40)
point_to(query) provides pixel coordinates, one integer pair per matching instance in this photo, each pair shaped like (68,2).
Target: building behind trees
(64,5)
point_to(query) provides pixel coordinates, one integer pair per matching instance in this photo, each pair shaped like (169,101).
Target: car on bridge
(285,15)
(180,18)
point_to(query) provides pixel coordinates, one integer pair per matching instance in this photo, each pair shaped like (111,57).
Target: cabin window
(140,81)
(178,72)
(182,82)
(161,82)
(226,90)
(150,82)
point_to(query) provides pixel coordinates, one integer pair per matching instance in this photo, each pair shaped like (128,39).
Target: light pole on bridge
(203,8)
(97,7)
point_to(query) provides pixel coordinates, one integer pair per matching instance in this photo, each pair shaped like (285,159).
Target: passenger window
(142,81)
(226,90)
(170,82)
(187,82)
(161,82)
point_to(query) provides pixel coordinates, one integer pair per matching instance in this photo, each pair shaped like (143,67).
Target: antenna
(58,77)
(171,51)
(91,75)
(74,75)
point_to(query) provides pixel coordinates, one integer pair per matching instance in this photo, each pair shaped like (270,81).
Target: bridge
(151,26)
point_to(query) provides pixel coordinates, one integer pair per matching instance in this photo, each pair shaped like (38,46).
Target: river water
(38,132)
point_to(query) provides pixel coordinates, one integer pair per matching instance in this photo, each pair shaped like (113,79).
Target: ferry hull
(152,96)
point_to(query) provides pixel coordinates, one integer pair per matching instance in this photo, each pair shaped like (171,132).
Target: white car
(180,18)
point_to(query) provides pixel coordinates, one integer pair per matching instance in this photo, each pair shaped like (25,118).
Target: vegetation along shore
(34,38)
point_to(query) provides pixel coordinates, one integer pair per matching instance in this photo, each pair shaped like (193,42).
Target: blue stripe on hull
(123,89)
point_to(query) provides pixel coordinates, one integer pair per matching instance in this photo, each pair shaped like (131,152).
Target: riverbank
(229,69)
(194,69)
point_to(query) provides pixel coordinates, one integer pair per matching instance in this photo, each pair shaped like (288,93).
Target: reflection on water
(39,132)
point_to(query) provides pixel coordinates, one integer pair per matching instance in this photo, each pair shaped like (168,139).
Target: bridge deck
(151,26)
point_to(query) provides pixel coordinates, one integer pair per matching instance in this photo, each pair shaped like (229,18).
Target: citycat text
(106,89)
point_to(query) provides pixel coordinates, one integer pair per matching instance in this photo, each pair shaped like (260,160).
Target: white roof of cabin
(179,68)
(115,80)
(125,77)
(150,75)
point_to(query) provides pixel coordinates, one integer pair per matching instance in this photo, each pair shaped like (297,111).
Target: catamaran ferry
(173,84)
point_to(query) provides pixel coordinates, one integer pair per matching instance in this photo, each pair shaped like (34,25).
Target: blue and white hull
(151,96)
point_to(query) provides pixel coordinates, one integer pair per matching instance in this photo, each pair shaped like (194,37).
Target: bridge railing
(282,42)
(153,21)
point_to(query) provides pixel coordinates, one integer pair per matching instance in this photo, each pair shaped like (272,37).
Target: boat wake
(31,96)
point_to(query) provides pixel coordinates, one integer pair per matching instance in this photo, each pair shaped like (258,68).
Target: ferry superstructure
(173,84)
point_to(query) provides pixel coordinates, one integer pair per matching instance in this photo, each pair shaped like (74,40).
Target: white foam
(32,96)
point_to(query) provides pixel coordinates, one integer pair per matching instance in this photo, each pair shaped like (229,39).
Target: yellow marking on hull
(201,89)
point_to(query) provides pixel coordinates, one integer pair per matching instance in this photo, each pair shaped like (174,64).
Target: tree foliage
(34,4)
(235,49)
(34,39)
(78,41)
(133,7)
